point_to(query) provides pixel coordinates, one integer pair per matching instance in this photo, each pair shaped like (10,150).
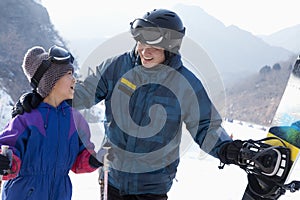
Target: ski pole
(4,149)
(106,170)
(100,181)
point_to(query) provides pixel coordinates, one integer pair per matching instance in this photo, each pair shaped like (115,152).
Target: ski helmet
(159,27)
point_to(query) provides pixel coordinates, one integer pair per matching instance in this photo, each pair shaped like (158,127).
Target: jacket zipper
(57,152)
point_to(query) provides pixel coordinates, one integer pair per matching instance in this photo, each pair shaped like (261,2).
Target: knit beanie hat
(32,61)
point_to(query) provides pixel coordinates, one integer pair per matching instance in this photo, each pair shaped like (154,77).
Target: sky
(79,18)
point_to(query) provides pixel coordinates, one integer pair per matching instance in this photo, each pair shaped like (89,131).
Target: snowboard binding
(267,167)
(260,158)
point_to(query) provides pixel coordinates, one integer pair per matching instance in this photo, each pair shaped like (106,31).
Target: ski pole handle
(106,170)
(4,150)
(105,159)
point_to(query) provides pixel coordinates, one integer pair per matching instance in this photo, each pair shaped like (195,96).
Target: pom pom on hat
(32,61)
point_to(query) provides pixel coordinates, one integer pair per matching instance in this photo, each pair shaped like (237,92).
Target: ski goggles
(146,31)
(60,55)
(57,55)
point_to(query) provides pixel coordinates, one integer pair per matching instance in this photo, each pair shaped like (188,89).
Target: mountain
(24,23)
(236,52)
(287,38)
(256,98)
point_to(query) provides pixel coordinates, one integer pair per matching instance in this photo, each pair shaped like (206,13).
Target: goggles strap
(45,65)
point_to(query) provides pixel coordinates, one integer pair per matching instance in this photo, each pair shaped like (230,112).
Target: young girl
(52,139)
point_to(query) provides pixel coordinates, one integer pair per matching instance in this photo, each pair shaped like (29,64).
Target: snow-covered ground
(5,108)
(198,175)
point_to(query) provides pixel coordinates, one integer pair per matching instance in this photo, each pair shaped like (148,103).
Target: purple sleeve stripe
(18,126)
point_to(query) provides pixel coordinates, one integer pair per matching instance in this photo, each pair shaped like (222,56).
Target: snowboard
(286,128)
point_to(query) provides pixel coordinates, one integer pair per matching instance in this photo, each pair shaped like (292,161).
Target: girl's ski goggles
(60,55)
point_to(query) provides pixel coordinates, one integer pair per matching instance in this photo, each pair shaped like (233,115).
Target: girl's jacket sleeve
(9,136)
(81,164)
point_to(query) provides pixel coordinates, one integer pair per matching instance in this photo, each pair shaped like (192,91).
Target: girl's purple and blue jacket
(46,143)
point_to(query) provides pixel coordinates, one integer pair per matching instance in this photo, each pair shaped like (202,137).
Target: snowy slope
(198,174)
(5,108)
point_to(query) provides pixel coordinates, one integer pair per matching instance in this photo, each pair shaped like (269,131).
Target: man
(149,95)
